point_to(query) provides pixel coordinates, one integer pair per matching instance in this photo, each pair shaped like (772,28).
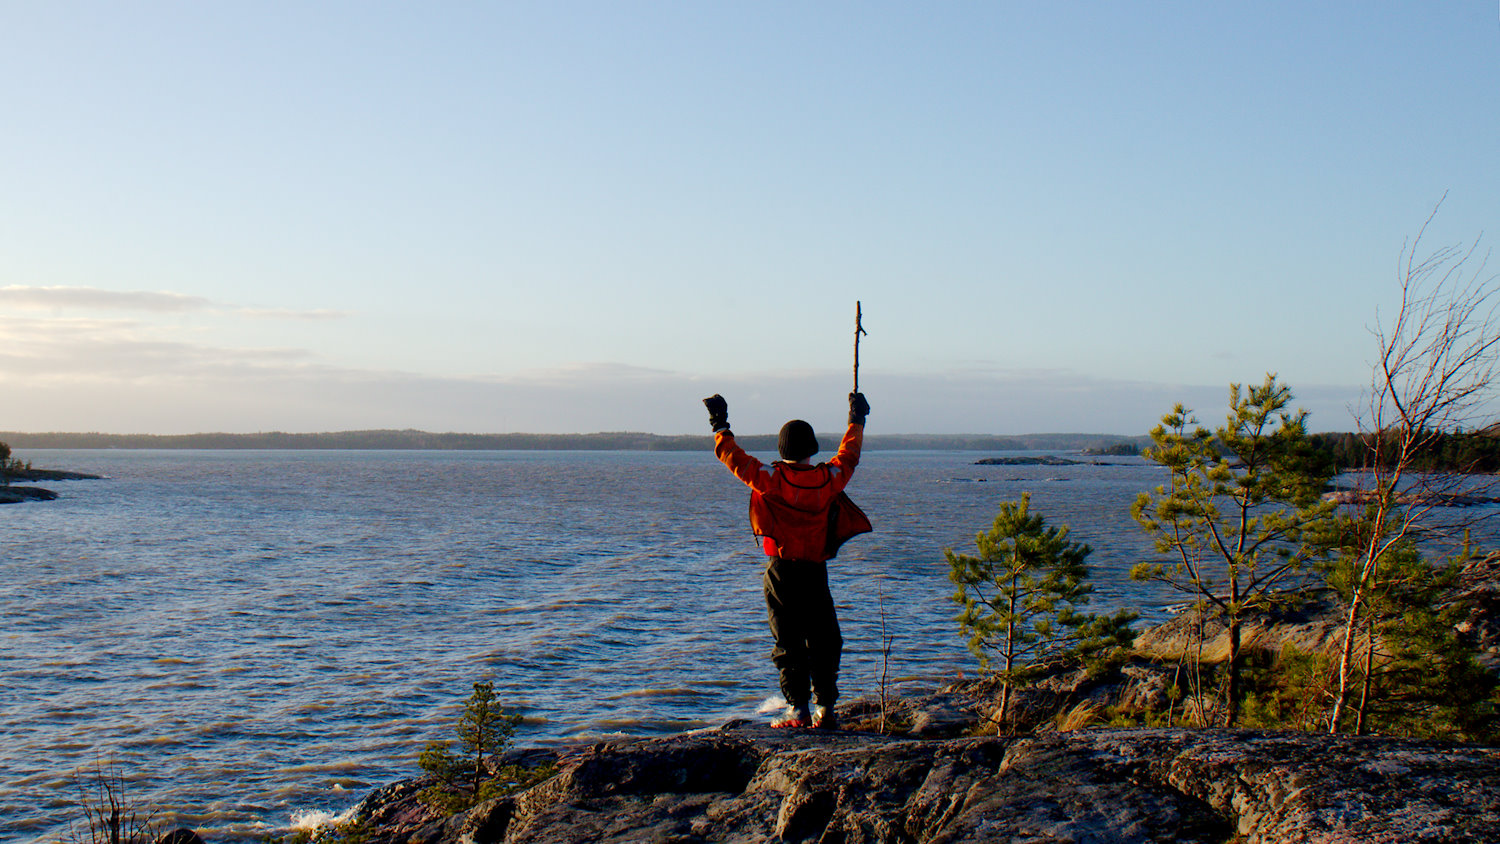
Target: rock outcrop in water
(749,783)
(16,494)
(33,475)
(1044,460)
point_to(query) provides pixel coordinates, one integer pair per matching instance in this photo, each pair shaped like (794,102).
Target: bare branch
(1436,370)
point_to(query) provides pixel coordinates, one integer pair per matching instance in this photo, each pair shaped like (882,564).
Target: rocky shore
(929,768)
(748,783)
(1313,622)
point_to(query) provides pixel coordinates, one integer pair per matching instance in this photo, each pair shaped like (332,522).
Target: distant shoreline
(392,440)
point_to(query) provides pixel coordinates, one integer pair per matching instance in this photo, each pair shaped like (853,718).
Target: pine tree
(484,728)
(1022,599)
(1236,516)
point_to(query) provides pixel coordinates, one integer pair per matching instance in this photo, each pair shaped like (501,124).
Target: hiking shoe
(824,718)
(796,718)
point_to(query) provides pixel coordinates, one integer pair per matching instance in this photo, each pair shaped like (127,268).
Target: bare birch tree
(1435,373)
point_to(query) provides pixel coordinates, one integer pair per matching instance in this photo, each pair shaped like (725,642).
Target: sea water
(252,639)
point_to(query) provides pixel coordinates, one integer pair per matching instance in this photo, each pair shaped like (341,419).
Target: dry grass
(1085,714)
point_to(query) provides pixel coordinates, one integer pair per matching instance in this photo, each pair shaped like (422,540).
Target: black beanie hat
(796,441)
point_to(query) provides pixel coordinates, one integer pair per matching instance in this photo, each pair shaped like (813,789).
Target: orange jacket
(797,510)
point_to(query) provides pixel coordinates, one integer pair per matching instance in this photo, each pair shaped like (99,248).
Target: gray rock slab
(748,783)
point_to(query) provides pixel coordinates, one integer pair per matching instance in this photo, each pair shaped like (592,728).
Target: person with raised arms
(801,515)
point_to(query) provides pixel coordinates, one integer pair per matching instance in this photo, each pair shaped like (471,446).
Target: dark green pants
(805,628)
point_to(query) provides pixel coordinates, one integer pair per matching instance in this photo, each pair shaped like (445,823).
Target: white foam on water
(771,706)
(317,818)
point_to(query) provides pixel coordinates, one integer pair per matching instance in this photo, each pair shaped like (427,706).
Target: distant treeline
(1472,451)
(615,441)
(1465,451)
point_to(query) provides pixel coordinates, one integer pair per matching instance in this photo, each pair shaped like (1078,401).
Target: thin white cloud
(93,298)
(97,299)
(85,350)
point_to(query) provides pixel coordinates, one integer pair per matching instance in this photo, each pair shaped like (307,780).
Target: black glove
(718,412)
(858,408)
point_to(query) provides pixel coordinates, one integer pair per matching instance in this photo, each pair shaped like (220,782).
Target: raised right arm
(746,468)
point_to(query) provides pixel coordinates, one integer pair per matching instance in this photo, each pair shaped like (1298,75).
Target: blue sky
(585,216)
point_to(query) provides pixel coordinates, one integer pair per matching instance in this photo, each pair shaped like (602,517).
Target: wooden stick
(858,330)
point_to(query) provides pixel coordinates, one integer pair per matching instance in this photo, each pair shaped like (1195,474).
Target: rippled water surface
(251,636)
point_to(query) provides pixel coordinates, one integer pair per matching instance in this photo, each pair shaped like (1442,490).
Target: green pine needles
(1239,512)
(1022,599)
(1412,673)
(485,729)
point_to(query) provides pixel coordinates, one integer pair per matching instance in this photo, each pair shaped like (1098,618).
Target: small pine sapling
(1022,599)
(1413,674)
(485,729)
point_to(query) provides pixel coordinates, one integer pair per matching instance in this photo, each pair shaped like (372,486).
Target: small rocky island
(12,471)
(1043,460)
